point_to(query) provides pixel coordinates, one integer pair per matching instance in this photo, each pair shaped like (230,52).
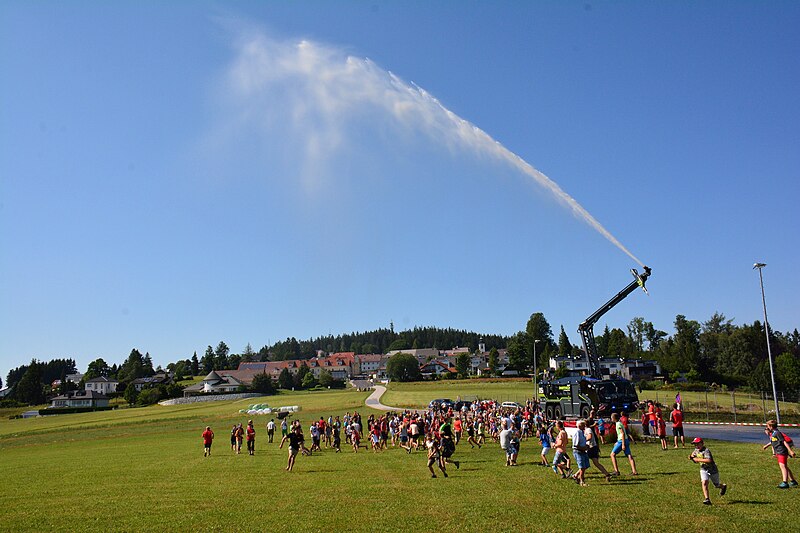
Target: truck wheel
(585,412)
(549,412)
(557,412)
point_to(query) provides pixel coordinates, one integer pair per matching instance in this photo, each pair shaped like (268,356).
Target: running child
(434,457)
(782,451)
(708,469)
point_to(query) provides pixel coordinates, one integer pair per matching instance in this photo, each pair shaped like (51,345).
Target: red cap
(697,440)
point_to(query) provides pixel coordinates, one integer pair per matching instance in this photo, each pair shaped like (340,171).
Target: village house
(102,384)
(87,398)
(630,369)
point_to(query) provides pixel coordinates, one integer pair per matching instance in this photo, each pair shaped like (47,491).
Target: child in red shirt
(662,430)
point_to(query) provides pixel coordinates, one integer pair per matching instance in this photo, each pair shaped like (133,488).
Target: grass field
(143,470)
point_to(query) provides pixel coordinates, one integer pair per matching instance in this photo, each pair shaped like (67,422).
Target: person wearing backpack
(781,449)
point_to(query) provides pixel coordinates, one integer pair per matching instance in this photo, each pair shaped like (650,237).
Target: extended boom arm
(586,328)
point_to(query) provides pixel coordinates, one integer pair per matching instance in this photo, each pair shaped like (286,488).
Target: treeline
(382,341)
(32,382)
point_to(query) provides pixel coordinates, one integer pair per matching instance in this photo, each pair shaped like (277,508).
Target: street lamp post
(535,372)
(759,266)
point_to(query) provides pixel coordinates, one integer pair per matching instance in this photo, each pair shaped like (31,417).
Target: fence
(717,405)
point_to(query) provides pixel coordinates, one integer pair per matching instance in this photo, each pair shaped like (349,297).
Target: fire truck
(576,396)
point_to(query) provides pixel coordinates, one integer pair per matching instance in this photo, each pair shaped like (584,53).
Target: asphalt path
(730,432)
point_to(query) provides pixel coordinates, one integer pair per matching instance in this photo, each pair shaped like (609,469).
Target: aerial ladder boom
(586,328)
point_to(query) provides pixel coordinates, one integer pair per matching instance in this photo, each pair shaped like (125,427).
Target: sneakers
(723,489)
(555,469)
(706,502)
(458,465)
(791,483)
(445,474)
(615,473)
(784,485)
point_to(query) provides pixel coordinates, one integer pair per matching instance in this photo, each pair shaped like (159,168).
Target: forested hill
(382,341)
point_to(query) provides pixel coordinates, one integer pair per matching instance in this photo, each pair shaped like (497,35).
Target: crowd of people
(438,431)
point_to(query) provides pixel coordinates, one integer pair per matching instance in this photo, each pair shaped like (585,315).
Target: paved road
(754,434)
(374,400)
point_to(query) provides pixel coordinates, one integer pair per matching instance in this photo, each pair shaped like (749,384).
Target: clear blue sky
(173,174)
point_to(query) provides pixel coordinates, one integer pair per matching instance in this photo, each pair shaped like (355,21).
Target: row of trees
(715,351)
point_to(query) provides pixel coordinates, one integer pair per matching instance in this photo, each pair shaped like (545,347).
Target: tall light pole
(535,372)
(759,266)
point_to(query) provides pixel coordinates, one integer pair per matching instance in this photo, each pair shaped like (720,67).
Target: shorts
(293,451)
(403,438)
(559,457)
(594,452)
(706,476)
(782,458)
(618,448)
(511,450)
(582,458)
(433,460)
(545,450)
(677,432)
(207,446)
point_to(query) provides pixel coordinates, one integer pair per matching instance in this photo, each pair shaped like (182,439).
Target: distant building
(102,384)
(214,382)
(630,369)
(159,378)
(87,398)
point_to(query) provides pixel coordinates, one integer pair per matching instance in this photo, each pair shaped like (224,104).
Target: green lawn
(144,470)
(419,394)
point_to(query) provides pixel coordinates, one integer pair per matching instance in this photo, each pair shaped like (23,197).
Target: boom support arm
(586,328)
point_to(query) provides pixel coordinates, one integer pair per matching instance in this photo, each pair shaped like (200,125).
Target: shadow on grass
(748,502)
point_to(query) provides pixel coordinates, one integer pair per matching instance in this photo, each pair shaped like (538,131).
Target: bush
(148,396)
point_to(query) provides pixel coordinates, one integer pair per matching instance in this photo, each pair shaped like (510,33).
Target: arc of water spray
(328,85)
(500,151)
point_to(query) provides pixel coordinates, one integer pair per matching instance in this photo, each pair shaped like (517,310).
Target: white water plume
(325,87)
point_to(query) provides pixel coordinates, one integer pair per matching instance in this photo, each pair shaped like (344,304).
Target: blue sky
(176,174)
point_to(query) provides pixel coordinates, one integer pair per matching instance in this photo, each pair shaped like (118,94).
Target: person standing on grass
(270,430)
(708,469)
(296,442)
(208,438)
(233,438)
(781,450)
(676,417)
(355,436)
(601,429)
(661,426)
(239,437)
(623,445)
(505,441)
(337,439)
(457,429)
(251,438)
(284,428)
(544,438)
